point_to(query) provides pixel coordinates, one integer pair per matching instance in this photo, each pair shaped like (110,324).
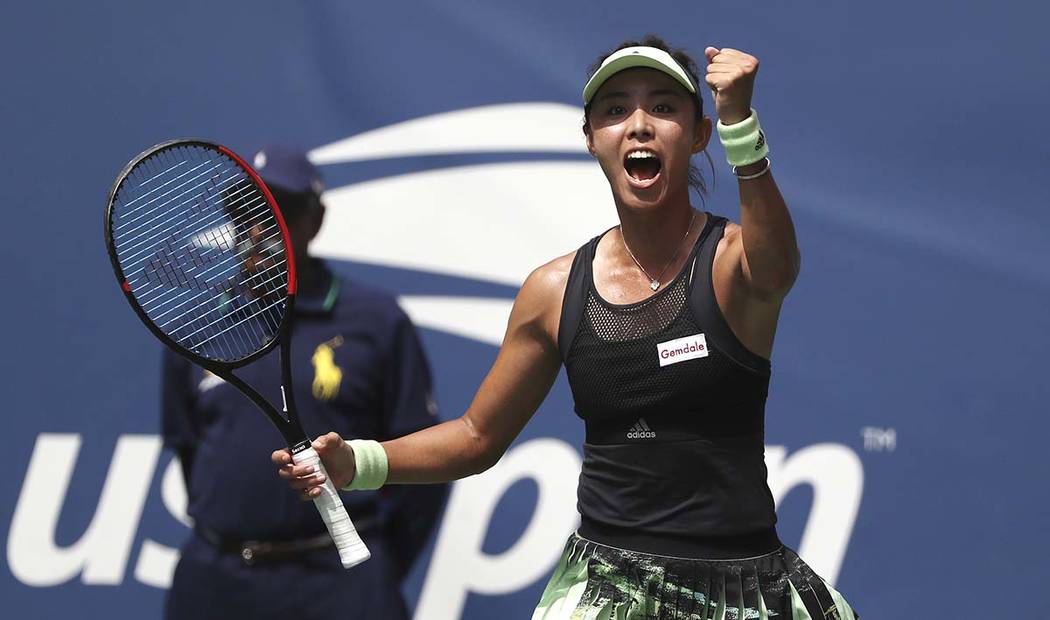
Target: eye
(616,110)
(663,108)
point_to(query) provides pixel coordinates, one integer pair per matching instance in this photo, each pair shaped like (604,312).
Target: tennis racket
(203,256)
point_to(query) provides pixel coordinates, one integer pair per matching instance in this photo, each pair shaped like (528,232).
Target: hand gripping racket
(203,256)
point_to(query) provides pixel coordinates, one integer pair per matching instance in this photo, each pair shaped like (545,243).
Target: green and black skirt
(597,582)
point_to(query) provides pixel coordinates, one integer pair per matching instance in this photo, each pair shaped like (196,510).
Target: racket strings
(159,229)
(202,251)
(145,221)
(197,253)
(138,218)
(219,247)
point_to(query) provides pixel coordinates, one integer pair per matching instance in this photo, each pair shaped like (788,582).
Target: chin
(641,199)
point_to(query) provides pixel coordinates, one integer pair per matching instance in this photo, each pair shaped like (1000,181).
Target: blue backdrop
(906,420)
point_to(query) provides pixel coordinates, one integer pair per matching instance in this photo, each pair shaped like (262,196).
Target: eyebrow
(612,95)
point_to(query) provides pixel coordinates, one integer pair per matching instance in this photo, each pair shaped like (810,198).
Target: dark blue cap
(287,168)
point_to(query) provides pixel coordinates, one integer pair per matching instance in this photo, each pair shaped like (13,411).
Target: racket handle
(352,550)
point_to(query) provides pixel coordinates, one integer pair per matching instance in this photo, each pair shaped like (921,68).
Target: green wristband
(371,465)
(744,142)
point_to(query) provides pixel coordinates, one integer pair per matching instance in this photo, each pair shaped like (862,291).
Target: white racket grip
(352,550)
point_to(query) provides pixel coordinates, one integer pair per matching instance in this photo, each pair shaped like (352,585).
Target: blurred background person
(257,551)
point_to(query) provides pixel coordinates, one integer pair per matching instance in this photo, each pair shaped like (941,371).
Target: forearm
(770,249)
(441,453)
(770,258)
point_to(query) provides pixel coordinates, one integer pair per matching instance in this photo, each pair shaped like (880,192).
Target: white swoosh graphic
(517,127)
(493,222)
(479,318)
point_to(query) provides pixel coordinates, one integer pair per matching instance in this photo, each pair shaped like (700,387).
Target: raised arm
(519,380)
(764,246)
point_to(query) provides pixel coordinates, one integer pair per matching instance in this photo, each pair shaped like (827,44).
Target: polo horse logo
(327,376)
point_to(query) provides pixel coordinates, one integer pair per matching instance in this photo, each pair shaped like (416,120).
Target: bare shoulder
(539,301)
(552,276)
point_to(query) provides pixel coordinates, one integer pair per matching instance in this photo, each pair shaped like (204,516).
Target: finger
(281,457)
(711,52)
(303,471)
(301,484)
(717,81)
(725,67)
(290,472)
(732,53)
(732,75)
(744,63)
(326,441)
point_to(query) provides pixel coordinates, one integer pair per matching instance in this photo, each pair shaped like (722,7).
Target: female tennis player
(665,325)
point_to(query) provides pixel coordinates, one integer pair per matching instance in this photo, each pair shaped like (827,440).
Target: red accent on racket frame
(127,287)
(289,254)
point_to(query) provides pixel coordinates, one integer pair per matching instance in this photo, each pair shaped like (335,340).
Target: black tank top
(674,411)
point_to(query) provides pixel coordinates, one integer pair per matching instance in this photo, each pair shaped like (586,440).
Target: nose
(639,125)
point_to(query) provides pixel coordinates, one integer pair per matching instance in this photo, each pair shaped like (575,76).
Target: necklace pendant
(654,285)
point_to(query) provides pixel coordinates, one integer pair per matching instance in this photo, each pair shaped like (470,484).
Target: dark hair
(696,179)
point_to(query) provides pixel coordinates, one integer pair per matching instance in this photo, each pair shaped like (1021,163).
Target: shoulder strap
(575,299)
(704,304)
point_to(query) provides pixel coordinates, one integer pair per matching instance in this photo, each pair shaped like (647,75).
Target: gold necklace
(654,283)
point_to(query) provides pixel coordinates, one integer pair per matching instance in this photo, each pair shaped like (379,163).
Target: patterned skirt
(597,582)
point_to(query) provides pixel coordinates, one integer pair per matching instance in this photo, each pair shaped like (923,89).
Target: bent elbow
(484,463)
(483,452)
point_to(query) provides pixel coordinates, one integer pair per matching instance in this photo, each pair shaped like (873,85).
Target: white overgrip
(352,550)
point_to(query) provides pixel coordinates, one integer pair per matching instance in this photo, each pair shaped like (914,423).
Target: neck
(654,234)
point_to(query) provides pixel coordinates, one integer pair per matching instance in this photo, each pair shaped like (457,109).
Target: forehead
(640,80)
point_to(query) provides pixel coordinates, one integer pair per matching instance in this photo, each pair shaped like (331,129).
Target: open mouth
(642,165)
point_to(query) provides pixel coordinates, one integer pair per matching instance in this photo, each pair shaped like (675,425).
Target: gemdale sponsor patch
(682,349)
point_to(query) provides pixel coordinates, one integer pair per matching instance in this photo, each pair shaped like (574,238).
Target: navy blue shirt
(357,369)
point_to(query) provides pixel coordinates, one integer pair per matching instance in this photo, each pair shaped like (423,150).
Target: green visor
(631,57)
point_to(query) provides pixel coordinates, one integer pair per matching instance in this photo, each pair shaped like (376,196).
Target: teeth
(641,155)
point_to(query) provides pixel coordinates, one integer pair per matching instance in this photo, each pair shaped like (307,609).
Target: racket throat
(284,401)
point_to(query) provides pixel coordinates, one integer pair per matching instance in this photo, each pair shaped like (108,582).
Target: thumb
(711,52)
(322,443)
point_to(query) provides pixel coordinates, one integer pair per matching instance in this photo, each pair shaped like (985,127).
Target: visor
(631,57)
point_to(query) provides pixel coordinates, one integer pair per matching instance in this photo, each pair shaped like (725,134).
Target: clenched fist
(731,76)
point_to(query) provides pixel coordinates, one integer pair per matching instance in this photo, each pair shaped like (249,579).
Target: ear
(589,138)
(701,135)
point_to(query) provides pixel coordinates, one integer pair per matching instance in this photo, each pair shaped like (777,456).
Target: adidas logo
(641,430)
(761,140)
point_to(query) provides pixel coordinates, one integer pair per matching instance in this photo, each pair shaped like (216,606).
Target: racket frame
(290,428)
(352,550)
